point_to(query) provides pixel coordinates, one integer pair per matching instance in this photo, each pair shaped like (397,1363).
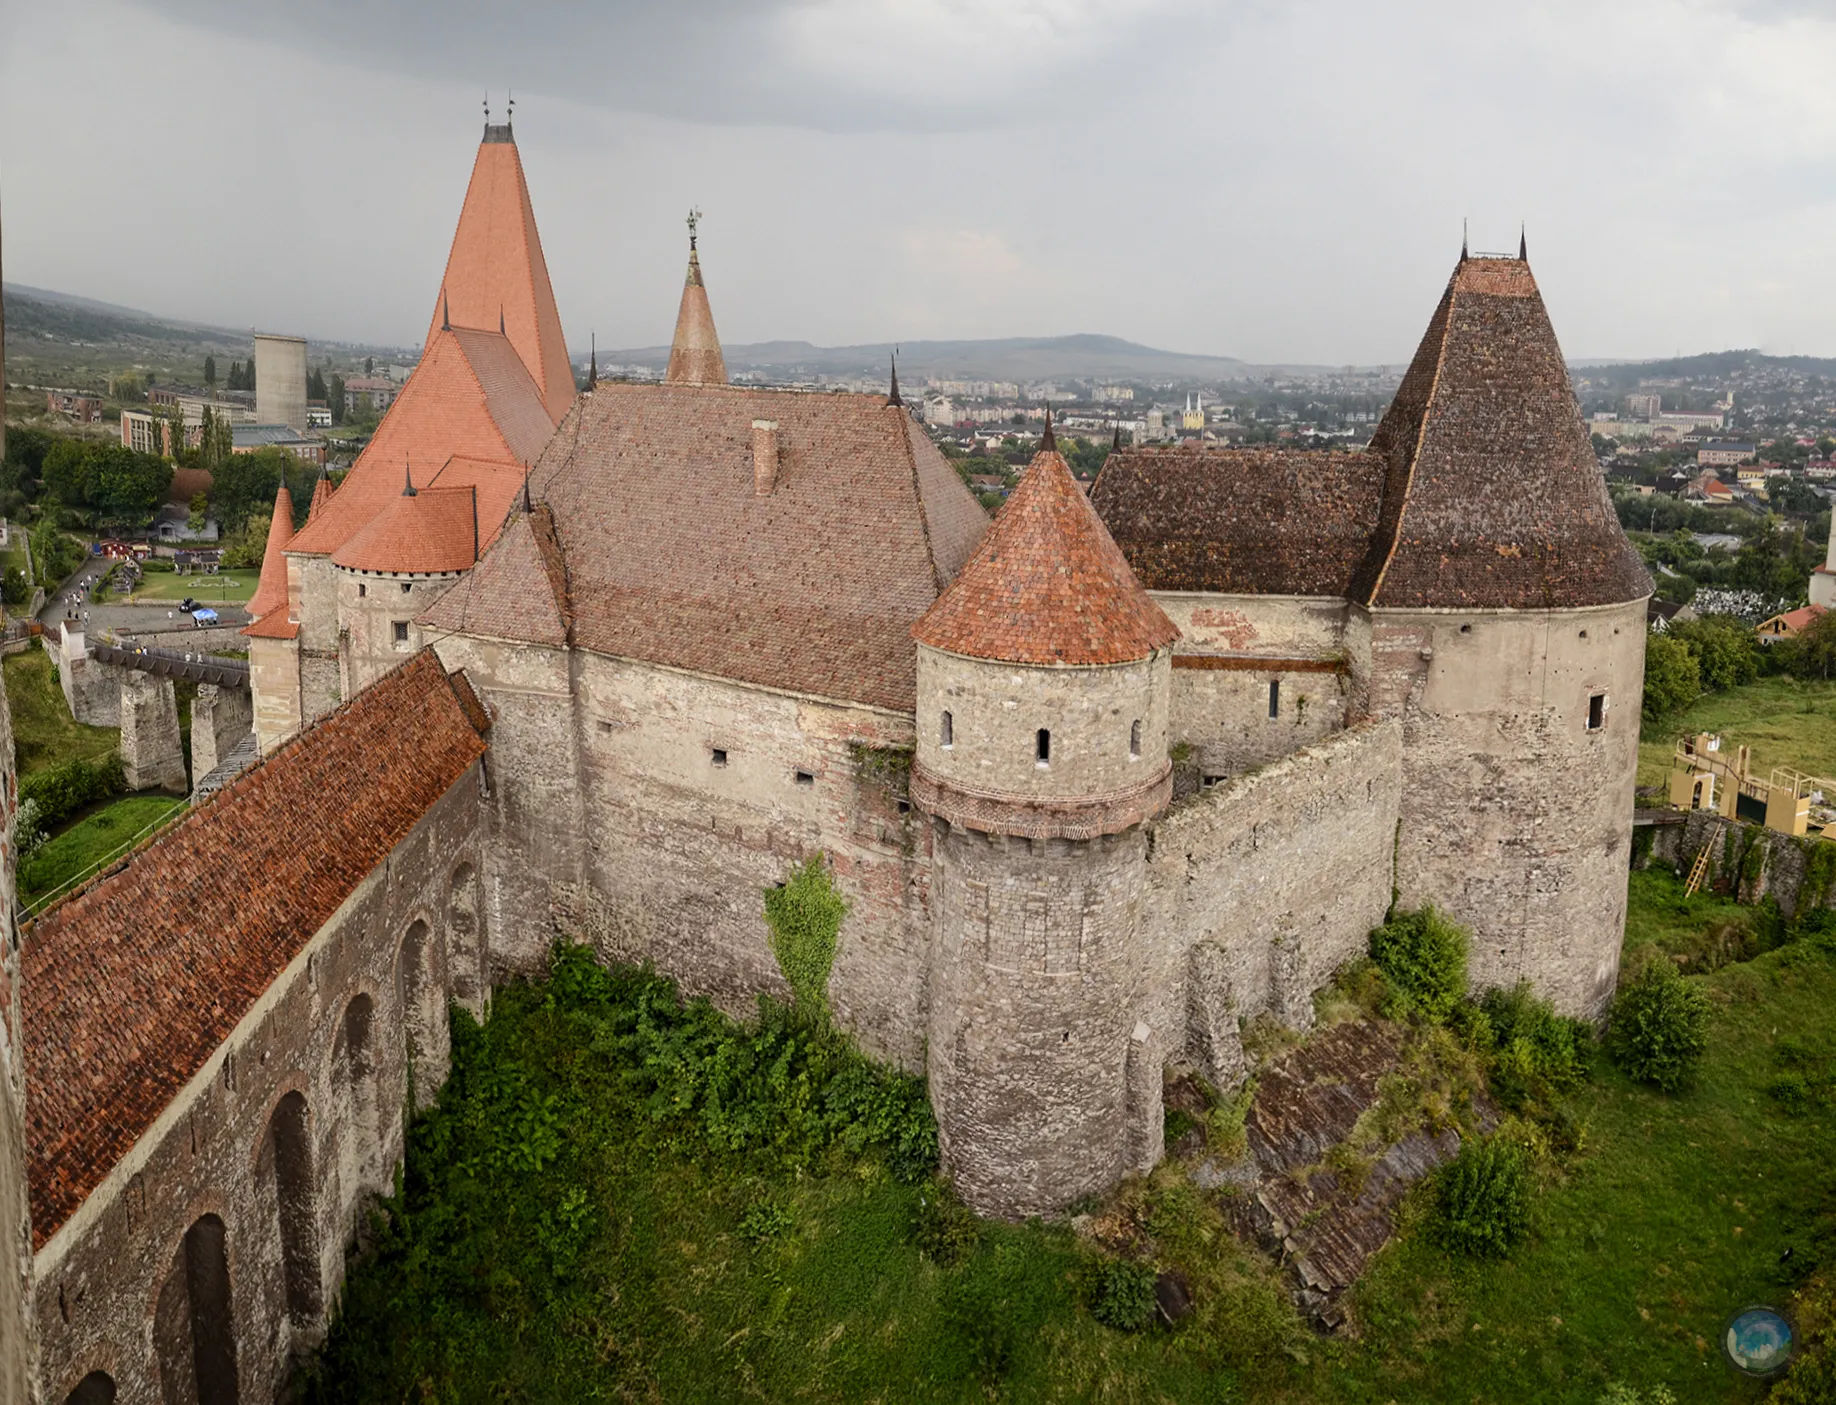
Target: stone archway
(422,1003)
(287,1153)
(466,939)
(354,1078)
(194,1332)
(97,1388)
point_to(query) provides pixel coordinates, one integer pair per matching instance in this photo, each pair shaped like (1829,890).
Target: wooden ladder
(1698,873)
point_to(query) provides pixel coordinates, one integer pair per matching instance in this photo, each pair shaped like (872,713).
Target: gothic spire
(892,397)
(1048,443)
(694,354)
(407,479)
(593,364)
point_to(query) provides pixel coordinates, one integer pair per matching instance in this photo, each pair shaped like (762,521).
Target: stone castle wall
(1779,873)
(1231,649)
(1516,816)
(1259,888)
(239,1204)
(370,605)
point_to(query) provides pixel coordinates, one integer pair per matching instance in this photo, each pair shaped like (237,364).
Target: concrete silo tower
(1043,679)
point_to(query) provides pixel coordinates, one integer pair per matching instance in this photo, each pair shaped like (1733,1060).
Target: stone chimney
(764,456)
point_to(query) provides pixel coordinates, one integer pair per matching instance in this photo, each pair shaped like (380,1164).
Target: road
(123,619)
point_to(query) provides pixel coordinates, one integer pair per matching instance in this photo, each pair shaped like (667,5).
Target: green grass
(231,587)
(1787,722)
(104,834)
(556,1240)
(44,733)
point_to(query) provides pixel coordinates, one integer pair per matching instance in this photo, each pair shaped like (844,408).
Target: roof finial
(487,107)
(1115,442)
(893,397)
(1523,243)
(500,319)
(408,478)
(1463,253)
(694,219)
(593,364)
(1048,444)
(527,508)
(446,312)
(510,108)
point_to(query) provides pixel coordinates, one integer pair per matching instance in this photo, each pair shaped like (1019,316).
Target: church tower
(1044,673)
(1823,579)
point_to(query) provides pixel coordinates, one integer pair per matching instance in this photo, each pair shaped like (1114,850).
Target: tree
(1673,680)
(200,513)
(244,485)
(210,371)
(1727,652)
(126,488)
(337,399)
(216,442)
(66,472)
(1658,1030)
(369,366)
(244,548)
(1813,653)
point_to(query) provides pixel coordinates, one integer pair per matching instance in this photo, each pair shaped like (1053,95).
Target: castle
(1102,781)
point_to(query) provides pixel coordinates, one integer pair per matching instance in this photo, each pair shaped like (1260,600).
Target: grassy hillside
(44,733)
(566,1233)
(1786,721)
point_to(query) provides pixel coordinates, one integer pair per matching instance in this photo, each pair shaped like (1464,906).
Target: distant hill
(1714,365)
(1082,356)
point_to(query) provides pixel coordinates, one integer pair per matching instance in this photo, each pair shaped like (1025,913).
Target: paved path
(123,619)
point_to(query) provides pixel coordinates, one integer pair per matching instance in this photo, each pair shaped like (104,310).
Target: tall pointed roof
(271,588)
(496,275)
(321,494)
(1047,585)
(1492,497)
(694,354)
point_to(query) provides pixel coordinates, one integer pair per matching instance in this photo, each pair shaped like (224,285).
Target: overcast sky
(1269,179)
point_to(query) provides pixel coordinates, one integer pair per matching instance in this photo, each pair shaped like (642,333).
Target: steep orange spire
(496,275)
(271,589)
(694,355)
(1047,585)
(321,494)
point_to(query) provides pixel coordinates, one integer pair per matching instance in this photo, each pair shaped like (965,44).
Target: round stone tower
(1044,673)
(1505,612)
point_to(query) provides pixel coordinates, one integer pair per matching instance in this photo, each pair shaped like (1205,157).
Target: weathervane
(694,218)
(510,107)
(487,107)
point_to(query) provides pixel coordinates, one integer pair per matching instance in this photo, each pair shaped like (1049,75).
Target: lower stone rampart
(1749,861)
(1260,888)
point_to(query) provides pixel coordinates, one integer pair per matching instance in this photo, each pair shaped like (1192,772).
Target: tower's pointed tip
(446,312)
(1463,242)
(528,507)
(593,363)
(407,478)
(1115,440)
(500,319)
(893,397)
(1523,243)
(1048,442)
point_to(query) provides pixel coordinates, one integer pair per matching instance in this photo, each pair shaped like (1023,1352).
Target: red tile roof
(694,354)
(429,531)
(132,985)
(1241,521)
(1493,498)
(321,494)
(1048,585)
(271,586)
(667,554)
(468,399)
(496,271)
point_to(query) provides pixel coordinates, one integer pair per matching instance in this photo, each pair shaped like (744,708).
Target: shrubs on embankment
(59,791)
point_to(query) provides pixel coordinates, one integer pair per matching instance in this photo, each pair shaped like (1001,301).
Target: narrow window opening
(406,587)
(1466,629)
(1134,741)
(1596,712)
(362,590)
(806,778)
(1042,747)
(720,756)
(947,732)
(1275,697)
(401,631)
(604,725)
(905,807)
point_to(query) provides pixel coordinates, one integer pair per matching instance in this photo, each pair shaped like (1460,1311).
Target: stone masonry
(152,753)
(220,717)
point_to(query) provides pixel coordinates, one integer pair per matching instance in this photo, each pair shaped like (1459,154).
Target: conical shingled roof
(1492,497)
(424,531)
(271,588)
(1047,585)
(496,275)
(321,494)
(694,355)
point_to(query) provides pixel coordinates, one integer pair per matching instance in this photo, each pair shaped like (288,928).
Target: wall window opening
(401,633)
(1134,741)
(406,587)
(362,590)
(720,756)
(806,778)
(1275,697)
(946,731)
(1596,712)
(1042,747)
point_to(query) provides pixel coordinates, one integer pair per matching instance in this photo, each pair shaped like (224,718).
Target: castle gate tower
(1506,612)
(1044,672)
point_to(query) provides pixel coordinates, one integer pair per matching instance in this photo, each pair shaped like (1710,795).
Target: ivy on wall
(805,915)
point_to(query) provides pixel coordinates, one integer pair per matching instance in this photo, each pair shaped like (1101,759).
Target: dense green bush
(1673,678)
(805,917)
(1122,1295)
(67,787)
(158,563)
(1532,1052)
(944,1229)
(1658,1028)
(1423,959)
(1482,1199)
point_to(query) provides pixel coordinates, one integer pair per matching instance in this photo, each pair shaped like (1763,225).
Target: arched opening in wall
(1134,741)
(289,1152)
(419,998)
(354,1074)
(465,932)
(946,732)
(193,1332)
(1042,747)
(97,1388)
